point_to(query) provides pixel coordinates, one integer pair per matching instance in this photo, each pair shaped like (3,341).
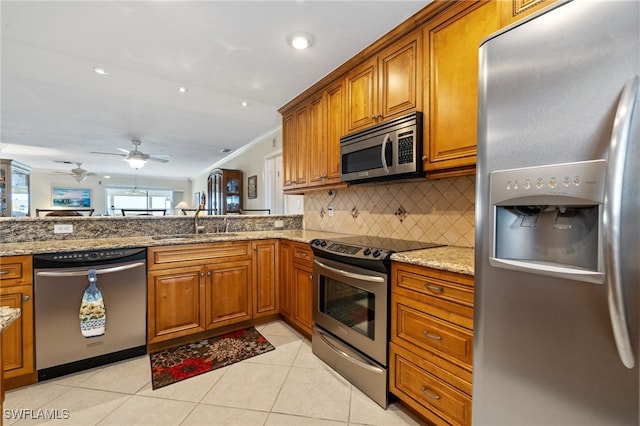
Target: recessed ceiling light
(182,89)
(245,104)
(300,40)
(101,71)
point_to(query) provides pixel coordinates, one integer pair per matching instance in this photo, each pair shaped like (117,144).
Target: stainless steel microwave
(389,150)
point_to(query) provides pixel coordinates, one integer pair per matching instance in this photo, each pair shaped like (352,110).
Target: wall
(438,211)
(249,159)
(42,182)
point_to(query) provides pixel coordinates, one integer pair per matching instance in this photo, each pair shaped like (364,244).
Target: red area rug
(175,364)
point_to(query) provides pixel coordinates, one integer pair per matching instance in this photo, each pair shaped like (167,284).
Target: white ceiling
(55,107)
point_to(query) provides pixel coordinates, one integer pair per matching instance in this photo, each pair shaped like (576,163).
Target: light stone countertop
(448,258)
(7,316)
(53,246)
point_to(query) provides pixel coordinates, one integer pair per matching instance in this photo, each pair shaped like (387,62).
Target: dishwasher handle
(85,272)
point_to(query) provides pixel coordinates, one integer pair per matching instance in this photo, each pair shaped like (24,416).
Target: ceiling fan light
(136,163)
(79,178)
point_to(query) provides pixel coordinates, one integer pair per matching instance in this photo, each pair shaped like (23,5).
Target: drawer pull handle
(433,288)
(25,298)
(4,272)
(430,394)
(431,336)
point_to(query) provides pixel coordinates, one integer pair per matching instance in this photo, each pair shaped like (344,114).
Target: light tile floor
(287,386)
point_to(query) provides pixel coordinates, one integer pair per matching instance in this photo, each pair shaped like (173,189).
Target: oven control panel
(350,250)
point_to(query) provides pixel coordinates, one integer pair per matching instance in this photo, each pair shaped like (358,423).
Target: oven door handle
(85,272)
(362,362)
(348,274)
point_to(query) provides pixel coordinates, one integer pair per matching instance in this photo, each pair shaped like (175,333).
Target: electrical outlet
(330,209)
(63,229)
(279,224)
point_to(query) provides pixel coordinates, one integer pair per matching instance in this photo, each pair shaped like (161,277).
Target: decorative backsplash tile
(438,211)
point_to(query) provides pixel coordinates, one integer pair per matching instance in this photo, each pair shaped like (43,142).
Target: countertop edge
(7,316)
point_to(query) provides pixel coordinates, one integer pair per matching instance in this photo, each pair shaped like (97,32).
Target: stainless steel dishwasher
(60,283)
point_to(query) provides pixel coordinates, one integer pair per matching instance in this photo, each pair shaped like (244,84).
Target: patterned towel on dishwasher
(93,316)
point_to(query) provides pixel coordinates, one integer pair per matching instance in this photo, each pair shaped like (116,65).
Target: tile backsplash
(438,211)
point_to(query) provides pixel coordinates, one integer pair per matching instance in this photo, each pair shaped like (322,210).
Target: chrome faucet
(198,228)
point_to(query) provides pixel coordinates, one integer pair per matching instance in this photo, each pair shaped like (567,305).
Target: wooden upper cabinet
(362,95)
(325,120)
(302,144)
(514,10)
(289,150)
(317,138)
(311,140)
(387,85)
(451,44)
(334,130)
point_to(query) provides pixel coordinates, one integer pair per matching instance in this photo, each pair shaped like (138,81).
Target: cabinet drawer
(16,270)
(195,254)
(302,253)
(427,390)
(414,279)
(429,332)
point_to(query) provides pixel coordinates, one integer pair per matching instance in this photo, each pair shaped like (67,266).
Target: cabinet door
(514,10)
(175,303)
(303,296)
(317,141)
(228,293)
(265,278)
(17,339)
(401,76)
(289,150)
(302,145)
(335,130)
(362,96)
(286,279)
(452,42)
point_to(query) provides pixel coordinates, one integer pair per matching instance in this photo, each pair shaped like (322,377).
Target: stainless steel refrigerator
(558,219)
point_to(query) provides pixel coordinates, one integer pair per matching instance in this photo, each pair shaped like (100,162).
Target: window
(118,198)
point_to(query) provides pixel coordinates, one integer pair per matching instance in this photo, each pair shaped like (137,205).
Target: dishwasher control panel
(79,258)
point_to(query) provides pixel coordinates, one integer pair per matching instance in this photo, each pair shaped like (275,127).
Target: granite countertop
(53,246)
(448,258)
(7,316)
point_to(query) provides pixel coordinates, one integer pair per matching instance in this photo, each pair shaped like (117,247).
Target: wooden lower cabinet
(175,297)
(196,288)
(296,278)
(303,296)
(16,291)
(266,292)
(228,293)
(431,353)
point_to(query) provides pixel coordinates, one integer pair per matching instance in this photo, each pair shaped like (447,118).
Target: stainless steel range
(351,308)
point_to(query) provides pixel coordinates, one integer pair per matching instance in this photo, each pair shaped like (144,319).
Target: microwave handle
(385,141)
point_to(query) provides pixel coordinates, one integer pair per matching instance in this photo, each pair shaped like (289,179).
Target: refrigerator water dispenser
(548,220)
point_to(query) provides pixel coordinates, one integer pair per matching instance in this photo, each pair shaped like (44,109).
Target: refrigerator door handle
(611,218)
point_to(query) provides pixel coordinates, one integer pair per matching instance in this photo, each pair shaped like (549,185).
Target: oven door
(351,303)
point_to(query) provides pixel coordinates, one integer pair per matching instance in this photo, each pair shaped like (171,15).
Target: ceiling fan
(136,158)
(78,173)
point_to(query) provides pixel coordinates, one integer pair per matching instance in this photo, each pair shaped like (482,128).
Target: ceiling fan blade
(109,153)
(159,158)
(123,150)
